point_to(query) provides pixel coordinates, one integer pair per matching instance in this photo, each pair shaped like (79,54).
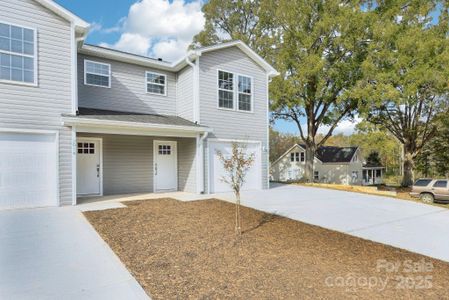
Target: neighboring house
(80,120)
(341,165)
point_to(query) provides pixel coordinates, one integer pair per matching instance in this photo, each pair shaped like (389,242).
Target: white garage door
(253,179)
(28,171)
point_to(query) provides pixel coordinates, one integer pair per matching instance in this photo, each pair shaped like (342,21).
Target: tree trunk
(310,155)
(408,165)
(238,227)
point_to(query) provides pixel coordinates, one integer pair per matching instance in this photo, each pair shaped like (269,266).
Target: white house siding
(184,93)
(128,163)
(233,124)
(40,108)
(284,170)
(128,89)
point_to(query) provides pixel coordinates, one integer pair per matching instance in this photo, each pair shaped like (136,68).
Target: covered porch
(372,175)
(117,153)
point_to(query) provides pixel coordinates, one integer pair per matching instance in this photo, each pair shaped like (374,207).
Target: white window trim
(35,57)
(100,63)
(164,85)
(235,92)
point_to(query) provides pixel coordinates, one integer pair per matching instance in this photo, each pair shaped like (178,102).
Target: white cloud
(160,28)
(170,50)
(345,127)
(131,42)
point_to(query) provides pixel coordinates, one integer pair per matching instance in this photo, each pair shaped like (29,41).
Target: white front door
(165,166)
(88,168)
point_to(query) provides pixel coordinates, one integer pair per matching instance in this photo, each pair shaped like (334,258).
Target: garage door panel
(253,179)
(28,170)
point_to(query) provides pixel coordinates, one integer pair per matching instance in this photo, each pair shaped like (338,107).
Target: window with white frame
(245,93)
(316,176)
(97,74)
(303,157)
(294,156)
(234,91)
(225,90)
(17,54)
(156,83)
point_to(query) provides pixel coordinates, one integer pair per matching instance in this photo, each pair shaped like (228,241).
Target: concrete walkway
(54,253)
(404,224)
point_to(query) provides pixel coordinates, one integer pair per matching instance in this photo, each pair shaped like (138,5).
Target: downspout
(200,166)
(196,117)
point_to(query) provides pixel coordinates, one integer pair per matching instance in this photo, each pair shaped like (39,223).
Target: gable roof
(181,63)
(327,154)
(79,23)
(331,154)
(246,49)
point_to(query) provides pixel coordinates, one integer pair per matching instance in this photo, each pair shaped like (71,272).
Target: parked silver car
(429,190)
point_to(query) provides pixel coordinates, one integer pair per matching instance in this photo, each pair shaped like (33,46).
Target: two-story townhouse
(80,120)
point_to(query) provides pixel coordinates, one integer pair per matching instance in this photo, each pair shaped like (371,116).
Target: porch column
(74,149)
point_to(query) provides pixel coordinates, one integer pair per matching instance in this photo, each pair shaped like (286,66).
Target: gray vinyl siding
(234,124)
(187,165)
(40,108)
(184,92)
(128,90)
(128,163)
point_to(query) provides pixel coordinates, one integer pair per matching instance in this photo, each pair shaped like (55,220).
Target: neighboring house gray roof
(331,154)
(111,115)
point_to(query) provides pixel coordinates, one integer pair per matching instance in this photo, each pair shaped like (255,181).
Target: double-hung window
(234,91)
(17,54)
(156,83)
(225,90)
(245,93)
(294,156)
(97,74)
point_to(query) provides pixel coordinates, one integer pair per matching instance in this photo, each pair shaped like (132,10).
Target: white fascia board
(125,57)
(179,64)
(70,121)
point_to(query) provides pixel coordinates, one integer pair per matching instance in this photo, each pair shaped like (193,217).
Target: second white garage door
(253,178)
(28,170)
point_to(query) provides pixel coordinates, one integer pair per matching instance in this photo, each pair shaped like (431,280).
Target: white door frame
(100,143)
(218,140)
(155,154)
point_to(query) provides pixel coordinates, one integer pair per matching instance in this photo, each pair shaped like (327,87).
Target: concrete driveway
(54,253)
(404,224)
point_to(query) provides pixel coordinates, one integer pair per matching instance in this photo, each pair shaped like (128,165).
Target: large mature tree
(434,157)
(406,73)
(321,46)
(228,20)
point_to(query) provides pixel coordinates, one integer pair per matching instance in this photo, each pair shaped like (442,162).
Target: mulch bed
(179,250)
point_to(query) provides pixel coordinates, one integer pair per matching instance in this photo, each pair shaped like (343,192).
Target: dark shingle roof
(331,154)
(111,115)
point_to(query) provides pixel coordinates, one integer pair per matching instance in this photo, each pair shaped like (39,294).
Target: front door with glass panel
(165,166)
(88,171)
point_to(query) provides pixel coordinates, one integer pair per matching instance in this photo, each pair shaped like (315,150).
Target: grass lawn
(179,250)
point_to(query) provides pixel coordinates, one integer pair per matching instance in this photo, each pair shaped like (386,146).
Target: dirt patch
(179,250)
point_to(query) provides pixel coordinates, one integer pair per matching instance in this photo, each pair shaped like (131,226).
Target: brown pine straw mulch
(180,250)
